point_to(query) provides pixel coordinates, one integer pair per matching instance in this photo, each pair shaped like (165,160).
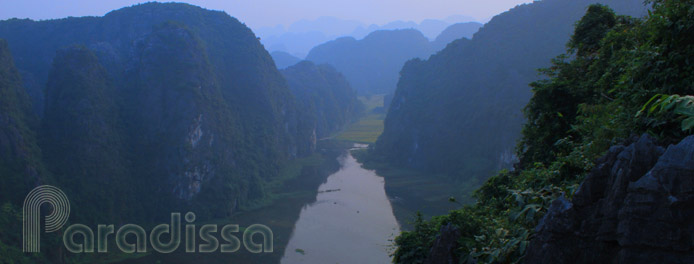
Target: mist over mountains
(301,36)
(372,64)
(283,59)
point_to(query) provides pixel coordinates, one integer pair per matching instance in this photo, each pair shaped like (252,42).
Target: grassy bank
(366,130)
(412,191)
(370,126)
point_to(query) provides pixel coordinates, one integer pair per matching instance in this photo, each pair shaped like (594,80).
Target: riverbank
(351,220)
(410,191)
(413,191)
(367,129)
(302,178)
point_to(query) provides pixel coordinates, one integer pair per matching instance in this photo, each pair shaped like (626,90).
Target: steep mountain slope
(80,136)
(588,189)
(325,95)
(184,100)
(372,64)
(460,111)
(453,32)
(283,59)
(20,156)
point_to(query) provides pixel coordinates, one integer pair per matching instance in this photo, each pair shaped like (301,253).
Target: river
(332,213)
(351,220)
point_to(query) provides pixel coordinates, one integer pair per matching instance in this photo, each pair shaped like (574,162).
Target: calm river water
(351,220)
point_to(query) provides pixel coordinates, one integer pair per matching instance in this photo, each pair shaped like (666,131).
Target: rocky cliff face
(636,206)
(176,103)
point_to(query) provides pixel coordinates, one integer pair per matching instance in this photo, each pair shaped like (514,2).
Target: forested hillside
(151,109)
(597,181)
(459,112)
(21,164)
(325,95)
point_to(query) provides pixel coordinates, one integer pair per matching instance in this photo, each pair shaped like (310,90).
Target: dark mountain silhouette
(326,96)
(283,59)
(296,43)
(20,156)
(298,38)
(459,112)
(169,105)
(453,32)
(372,64)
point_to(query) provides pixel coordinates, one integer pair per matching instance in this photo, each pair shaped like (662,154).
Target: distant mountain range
(301,36)
(372,64)
(453,32)
(283,59)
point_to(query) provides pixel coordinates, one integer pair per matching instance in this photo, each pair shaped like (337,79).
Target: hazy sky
(260,13)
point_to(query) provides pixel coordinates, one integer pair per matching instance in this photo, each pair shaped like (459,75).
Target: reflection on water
(351,221)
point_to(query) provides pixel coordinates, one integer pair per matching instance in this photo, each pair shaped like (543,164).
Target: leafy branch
(662,104)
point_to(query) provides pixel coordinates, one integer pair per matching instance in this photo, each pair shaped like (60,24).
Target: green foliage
(459,111)
(141,120)
(120,116)
(10,241)
(324,96)
(599,19)
(594,97)
(370,125)
(662,105)
(20,156)
(415,244)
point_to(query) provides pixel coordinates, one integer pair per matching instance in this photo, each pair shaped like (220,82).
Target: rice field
(370,126)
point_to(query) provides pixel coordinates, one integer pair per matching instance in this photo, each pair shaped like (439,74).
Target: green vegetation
(458,113)
(432,195)
(324,96)
(153,109)
(158,109)
(682,106)
(298,186)
(289,171)
(20,159)
(365,130)
(370,126)
(592,99)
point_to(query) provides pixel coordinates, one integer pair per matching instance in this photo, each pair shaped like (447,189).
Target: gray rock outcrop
(636,206)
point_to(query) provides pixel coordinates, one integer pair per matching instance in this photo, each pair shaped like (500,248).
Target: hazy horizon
(271,13)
